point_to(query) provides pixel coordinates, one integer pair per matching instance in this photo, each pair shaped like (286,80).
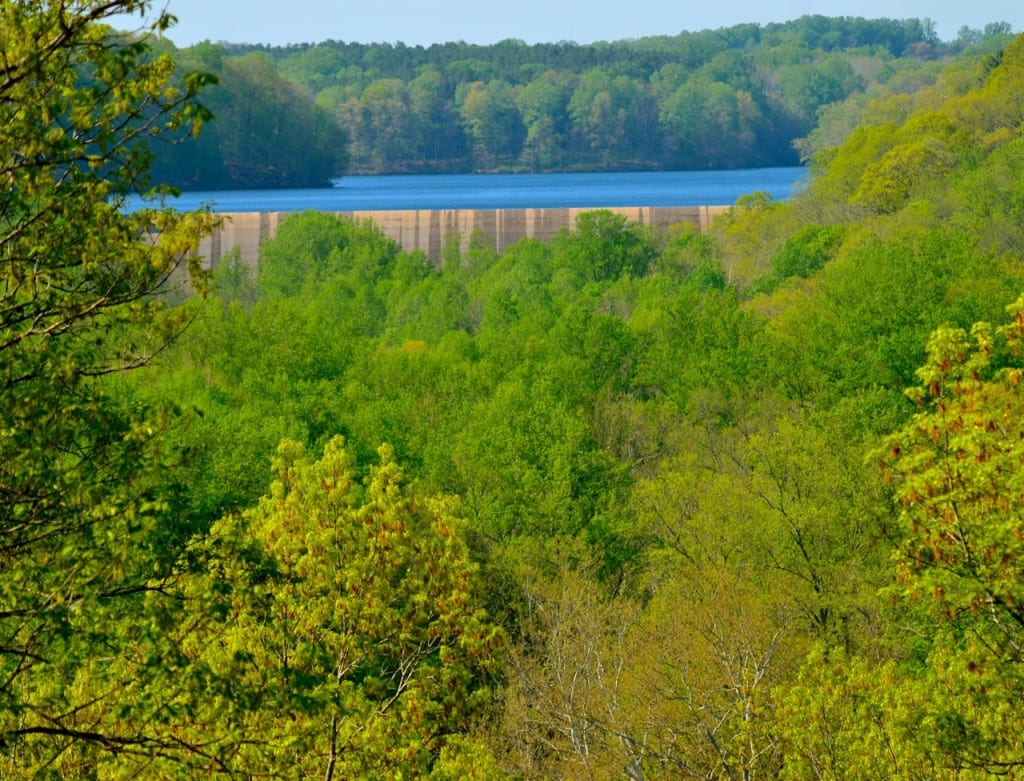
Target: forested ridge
(737,97)
(735,505)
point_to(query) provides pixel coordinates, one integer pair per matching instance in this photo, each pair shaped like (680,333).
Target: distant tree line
(737,97)
(728,98)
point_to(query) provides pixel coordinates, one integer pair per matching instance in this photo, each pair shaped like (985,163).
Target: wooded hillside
(730,98)
(738,97)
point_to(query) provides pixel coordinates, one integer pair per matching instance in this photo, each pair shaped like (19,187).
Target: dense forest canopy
(737,97)
(267,131)
(729,505)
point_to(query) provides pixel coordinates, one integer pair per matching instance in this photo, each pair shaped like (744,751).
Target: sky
(423,22)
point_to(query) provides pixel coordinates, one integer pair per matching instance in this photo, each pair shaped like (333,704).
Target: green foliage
(350,615)
(312,247)
(840,337)
(959,493)
(735,97)
(846,718)
(691,340)
(804,252)
(657,444)
(901,171)
(490,116)
(948,709)
(83,534)
(605,246)
(267,132)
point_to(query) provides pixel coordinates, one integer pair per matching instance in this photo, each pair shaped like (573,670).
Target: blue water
(509,191)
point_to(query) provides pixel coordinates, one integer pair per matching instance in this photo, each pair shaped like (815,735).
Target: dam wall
(428,230)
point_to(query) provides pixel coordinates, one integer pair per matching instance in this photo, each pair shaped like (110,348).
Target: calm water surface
(510,191)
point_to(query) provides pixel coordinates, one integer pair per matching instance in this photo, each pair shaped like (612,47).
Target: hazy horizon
(280,23)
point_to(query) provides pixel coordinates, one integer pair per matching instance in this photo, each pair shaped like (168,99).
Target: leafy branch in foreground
(79,284)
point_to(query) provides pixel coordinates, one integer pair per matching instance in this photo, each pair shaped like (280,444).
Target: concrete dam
(428,230)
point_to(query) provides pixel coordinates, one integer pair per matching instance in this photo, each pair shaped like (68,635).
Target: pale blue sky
(584,21)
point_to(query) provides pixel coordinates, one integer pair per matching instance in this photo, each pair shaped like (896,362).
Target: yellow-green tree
(947,704)
(957,468)
(352,644)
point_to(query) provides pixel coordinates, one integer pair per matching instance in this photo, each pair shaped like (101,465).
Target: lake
(509,191)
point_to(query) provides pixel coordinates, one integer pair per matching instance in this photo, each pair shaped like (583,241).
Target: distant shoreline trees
(746,96)
(738,97)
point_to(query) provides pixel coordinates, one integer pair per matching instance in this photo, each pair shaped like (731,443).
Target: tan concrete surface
(427,230)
